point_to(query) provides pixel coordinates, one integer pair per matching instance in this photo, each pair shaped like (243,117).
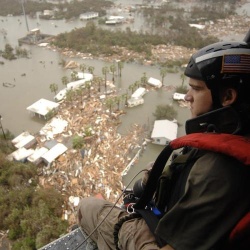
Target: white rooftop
(154,82)
(37,154)
(86,76)
(165,129)
(54,152)
(25,140)
(116,17)
(42,107)
(179,96)
(139,93)
(20,154)
(20,137)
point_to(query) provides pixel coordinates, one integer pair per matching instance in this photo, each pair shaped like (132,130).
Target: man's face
(199,97)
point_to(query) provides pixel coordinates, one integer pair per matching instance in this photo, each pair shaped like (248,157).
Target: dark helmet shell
(216,62)
(220,64)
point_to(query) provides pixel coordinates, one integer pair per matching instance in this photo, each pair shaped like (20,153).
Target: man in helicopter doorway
(208,191)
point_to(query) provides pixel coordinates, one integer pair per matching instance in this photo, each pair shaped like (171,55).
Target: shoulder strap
(227,144)
(155,173)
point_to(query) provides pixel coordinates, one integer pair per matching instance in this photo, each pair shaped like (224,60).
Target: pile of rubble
(171,53)
(236,25)
(159,54)
(97,167)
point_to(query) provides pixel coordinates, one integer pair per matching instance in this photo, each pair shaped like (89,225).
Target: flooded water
(32,77)
(43,69)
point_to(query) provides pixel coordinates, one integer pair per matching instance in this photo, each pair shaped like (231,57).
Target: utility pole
(2,127)
(25,16)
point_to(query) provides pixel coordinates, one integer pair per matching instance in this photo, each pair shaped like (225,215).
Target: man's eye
(195,88)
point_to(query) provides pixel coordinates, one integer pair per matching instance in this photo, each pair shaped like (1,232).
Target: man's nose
(188,97)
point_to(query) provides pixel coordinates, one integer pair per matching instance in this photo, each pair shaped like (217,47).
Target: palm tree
(88,87)
(74,75)
(53,88)
(163,73)
(99,81)
(120,67)
(65,80)
(137,84)
(80,92)
(144,79)
(91,69)
(69,95)
(105,71)
(82,67)
(125,97)
(113,70)
(117,100)
(131,88)
(110,103)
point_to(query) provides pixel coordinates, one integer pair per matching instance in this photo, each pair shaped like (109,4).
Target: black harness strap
(153,177)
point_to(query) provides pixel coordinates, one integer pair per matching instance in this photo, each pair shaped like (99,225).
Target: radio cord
(100,223)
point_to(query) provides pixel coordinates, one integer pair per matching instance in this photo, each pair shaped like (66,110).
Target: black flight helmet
(220,65)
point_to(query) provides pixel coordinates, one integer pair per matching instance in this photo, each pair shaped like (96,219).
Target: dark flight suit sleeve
(216,197)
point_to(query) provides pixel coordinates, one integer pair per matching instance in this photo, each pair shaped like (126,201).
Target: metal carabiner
(130,208)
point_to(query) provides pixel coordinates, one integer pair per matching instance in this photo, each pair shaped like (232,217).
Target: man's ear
(229,97)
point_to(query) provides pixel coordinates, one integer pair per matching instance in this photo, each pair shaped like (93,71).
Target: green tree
(74,76)
(77,142)
(144,79)
(80,92)
(131,87)
(53,88)
(70,95)
(113,70)
(20,52)
(88,87)
(109,102)
(165,112)
(65,80)
(117,100)
(105,71)
(83,67)
(125,98)
(163,73)
(31,214)
(8,52)
(120,67)
(99,81)
(137,84)
(91,69)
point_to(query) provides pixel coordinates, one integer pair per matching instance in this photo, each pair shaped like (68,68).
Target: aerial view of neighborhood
(91,92)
